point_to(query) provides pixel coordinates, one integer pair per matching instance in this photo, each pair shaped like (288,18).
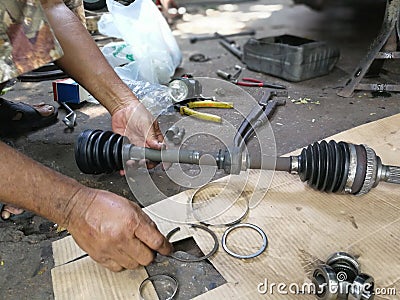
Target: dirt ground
(25,245)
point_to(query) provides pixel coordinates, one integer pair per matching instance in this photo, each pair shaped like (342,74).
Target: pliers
(247,81)
(186,106)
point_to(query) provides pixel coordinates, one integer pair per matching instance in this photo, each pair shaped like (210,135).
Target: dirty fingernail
(5,215)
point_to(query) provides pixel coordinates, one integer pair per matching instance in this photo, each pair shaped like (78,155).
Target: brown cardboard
(303,226)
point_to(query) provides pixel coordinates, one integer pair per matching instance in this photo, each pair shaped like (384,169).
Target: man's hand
(114,231)
(136,122)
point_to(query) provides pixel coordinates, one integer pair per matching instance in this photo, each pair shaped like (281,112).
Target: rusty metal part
(160,277)
(202,227)
(245,225)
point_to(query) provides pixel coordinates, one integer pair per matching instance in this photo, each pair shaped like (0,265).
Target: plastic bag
(142,26)
(121,58)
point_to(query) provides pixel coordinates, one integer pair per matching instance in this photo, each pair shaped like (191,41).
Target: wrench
(70,118)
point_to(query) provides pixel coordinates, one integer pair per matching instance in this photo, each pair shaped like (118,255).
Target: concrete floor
(25,250)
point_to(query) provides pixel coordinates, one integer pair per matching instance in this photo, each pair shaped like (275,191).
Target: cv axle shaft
(332,167)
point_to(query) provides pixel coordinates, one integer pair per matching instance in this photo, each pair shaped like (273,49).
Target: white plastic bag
(142,26)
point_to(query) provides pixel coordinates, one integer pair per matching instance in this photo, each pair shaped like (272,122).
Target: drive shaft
(332,167)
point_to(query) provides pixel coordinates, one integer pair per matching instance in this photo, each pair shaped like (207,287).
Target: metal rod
(232,49)
(272,163)
(214,36)
(131,152)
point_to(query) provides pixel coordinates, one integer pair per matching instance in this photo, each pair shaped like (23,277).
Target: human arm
(84,62)
(111,229)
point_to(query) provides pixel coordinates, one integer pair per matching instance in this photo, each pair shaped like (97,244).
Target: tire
(94,4)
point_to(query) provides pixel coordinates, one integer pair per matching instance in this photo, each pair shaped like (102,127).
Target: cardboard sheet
(303,226)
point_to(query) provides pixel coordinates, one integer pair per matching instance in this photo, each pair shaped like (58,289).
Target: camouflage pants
(27,41)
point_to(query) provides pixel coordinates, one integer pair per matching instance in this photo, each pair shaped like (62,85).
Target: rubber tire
(99,4)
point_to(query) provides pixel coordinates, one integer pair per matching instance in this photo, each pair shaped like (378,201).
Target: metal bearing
(159,277)
(325,283)
(214,249)
(343,258)
(362,288)
(247,225)
(343,290)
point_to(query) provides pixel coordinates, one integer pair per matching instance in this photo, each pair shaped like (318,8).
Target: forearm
(34,187)
(83,60)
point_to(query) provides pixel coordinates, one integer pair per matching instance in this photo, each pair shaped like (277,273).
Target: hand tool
(216,36)
(185,107)
(247,81)
(232,48)
(226,39)
(228,76)
(257,117)
(70,118)
(252,82)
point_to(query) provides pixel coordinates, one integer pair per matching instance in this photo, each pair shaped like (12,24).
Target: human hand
(114,231)
(136,122)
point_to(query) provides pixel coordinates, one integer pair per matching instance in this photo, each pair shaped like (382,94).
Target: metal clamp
(213,235)
(198,218)
(159,277)
(246,225)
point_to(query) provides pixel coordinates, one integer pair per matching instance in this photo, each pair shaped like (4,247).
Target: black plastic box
(289,57)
